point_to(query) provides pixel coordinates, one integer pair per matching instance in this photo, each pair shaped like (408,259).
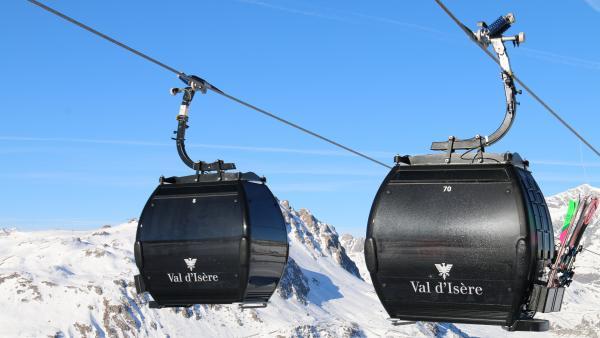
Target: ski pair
(579,215)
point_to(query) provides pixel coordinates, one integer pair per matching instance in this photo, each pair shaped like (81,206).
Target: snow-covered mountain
(580,315)
(80,283)
(355,249)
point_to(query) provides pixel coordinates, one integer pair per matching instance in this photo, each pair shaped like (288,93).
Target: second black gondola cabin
(461,242)
(465,239)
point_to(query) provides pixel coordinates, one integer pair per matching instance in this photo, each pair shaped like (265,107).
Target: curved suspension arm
(182,119)
(180,140)
(486,37)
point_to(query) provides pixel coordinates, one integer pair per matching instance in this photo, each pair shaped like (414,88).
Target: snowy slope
(79,283)
(355,248)
(580,315)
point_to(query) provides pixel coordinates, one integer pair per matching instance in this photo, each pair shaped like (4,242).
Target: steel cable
(534,95)
(294,125)
(527,89)
(207,85)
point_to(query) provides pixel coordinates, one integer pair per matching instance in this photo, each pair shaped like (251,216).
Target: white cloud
(317,187)
(595,4)
(562,59)
(323,152)
(566,163)
(294,10)
(351,18)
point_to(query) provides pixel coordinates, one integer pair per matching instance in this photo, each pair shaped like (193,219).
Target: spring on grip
(501,25)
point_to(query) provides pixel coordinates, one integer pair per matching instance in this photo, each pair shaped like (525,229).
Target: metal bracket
(486,36)
(194,84)
(450,148)
(399,322)
(225,177)
(400,160)
(250,305)
(529,324)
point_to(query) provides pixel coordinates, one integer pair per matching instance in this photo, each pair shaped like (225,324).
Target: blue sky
(85,127)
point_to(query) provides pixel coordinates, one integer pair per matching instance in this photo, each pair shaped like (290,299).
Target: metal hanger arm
(194,84)
(486,36)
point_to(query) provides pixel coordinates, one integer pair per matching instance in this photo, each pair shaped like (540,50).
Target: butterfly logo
(444,270)
(190,262)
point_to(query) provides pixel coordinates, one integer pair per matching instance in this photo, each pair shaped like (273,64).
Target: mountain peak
(560,201)
(80,283)
(7,231)
(320,239)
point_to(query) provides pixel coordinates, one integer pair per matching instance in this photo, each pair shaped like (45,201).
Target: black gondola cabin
(211,243)
(465,239)
(460,242)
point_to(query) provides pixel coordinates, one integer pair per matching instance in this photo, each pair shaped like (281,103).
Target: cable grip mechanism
(492,35)
(194,84)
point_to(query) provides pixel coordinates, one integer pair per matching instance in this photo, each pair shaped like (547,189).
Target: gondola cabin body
(213,242)
(216,237)
(455,241)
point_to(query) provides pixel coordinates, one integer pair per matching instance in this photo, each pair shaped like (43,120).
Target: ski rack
(486,36)
(549,297)
(571,246)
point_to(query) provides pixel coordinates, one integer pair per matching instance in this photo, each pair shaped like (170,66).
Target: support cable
(206,84)
(534,95)
(527,89)
(294,125)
